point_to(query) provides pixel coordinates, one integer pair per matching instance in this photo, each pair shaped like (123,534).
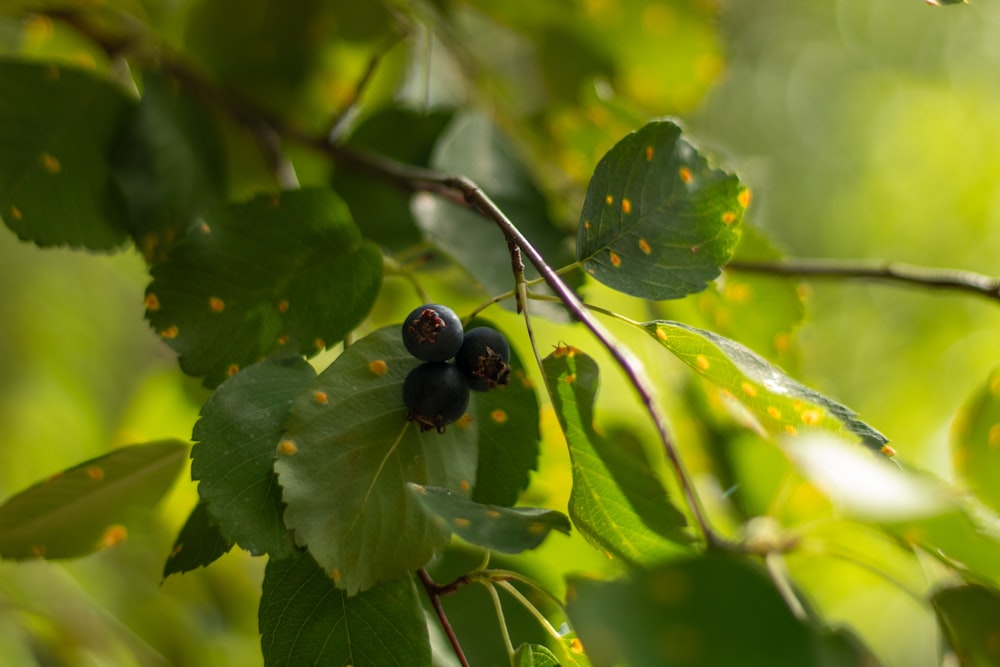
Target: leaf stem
(504,632)
(434,592)
(887,271)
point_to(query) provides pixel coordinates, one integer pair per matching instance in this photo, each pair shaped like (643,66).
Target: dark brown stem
(894,272)
(435,592)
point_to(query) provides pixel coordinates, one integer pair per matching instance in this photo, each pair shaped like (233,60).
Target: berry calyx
(435,394)
(432,332)
(484,359)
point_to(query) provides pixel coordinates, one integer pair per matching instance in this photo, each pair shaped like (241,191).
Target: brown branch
(891,272)
(435,592)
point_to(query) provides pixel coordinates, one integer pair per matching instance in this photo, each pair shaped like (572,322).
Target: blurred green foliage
(864,129)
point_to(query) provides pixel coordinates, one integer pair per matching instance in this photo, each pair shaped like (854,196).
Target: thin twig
(894,272)
(434,592)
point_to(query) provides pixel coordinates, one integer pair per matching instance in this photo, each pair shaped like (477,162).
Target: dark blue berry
(432,332)
(484,359)
(435,394)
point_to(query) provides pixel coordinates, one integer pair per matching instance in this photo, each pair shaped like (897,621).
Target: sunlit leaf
(347,456)
(56,128)
(508,435)
(233,457)
(89,506)
(778,403)
(617,501)
(198,544)
(381,210)
(305,620)
(285,273)
(970,619)
(707,611)
(975,442)
(658,222)
(505,529)
(534,655)
(168,164)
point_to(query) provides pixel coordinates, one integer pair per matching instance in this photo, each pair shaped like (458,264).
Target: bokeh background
(867,129)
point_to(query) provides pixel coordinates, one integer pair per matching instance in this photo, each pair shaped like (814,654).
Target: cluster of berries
(437,391)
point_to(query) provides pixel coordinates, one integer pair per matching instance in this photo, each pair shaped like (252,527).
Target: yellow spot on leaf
(576,645)
(791,430)
(287,447)
(586,225)
(499,416)
(465,421)
(95,473)
(616,261)
(609,200)
(685,174)
(216,304)
(464,485)
(113,534)
(626,206)
(276,201)
(661,334)
(335,575)
(321,397)
(283,340)
(461,523)
(492,514)
(728,217)
(15,212)
(748,388)
(378,367)
(232,370)
(774,412)
(702,362)
(176,550)
(283,306)
(570,379)
(994,436)
(50,163)
(888,451)
(782,341)
(744,197)
(152,302)
(811,417)
(649,153)
(644,246)
(38,550)
(537,528)
(204,228)
(170,332)
(320,344)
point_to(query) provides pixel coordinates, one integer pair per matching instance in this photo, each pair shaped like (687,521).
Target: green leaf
(534,655)
(975,442)
(305,620)
(509,436)
(707,611)
(504,529)
(168,163)
(284,273)
(198,544)
(474,147)
(233,458)
(346,458)
(969,617)
(381,210)
(777,402)
(657,221)
(617,501)
(56,128)
(89,506)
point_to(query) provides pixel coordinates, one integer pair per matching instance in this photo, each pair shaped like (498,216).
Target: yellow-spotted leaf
(345,460)
(287,273)
(57,125)
(975,442)
(508,530)
(91,505)
(617,501)
(658,221)
(777,402)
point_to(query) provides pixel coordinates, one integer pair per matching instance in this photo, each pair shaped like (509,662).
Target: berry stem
(435,592)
